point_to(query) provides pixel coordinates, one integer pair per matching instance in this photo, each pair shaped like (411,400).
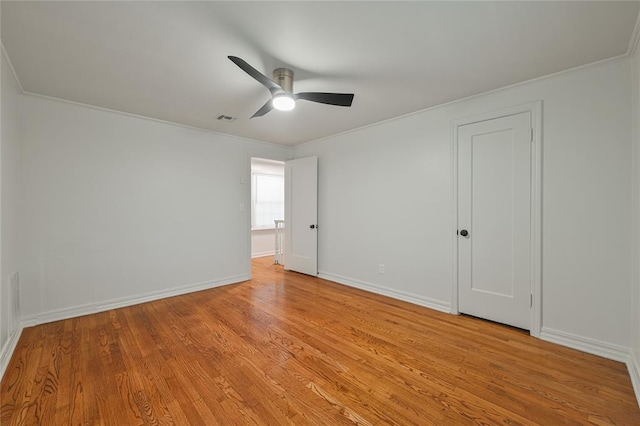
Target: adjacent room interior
(267,206)
(320,212)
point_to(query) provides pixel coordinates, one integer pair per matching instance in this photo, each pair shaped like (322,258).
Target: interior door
(301,215)
(494,219)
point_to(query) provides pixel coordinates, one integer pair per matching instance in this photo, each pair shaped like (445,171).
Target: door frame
(535,109)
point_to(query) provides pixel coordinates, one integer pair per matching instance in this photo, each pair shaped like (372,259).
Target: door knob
(464,232)
(312,226)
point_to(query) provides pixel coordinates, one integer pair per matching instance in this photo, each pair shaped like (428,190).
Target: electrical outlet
(381,268)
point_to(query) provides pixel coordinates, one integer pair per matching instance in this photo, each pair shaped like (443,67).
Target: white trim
(535,109)
(427,302)
(633,42)
(6,351)
(9,348)
(454,231)
(586,344)
(536,218)
(257,160)
(635,37)
(634,372)
(263,254)
(467,98)
(248,218)
(157,120)
(596,347)
(5,56)
(92,308)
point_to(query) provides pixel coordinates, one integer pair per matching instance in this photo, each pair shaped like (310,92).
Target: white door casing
(497,175)
(301,215)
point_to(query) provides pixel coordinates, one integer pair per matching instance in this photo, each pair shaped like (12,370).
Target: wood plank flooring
(286,349)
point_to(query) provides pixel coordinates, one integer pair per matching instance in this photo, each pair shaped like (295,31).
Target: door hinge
(531,135)
(531,300)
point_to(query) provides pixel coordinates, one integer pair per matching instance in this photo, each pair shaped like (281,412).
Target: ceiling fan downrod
(281,89)
(284,78)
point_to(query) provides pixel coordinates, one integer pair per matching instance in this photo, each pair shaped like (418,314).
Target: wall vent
(226,118)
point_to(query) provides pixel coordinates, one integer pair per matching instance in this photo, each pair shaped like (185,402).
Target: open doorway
(267,205)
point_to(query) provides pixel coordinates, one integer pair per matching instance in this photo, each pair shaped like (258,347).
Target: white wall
(635,319)
(263,242)
(10,179)
(118,208)
(385,196)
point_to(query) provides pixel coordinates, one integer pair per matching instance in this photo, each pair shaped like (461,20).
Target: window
(268,200)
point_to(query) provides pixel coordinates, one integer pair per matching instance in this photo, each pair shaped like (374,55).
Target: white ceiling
(168,60)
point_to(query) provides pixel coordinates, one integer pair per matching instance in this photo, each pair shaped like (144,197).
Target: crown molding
(635,38)
(605,61)
(157,120)
(5,57)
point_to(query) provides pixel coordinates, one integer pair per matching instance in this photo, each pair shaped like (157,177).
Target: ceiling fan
(281,88)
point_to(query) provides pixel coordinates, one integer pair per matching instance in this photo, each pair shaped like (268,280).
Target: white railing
(279,241)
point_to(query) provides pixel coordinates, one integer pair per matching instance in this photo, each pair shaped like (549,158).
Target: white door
(494,219)
(301,215)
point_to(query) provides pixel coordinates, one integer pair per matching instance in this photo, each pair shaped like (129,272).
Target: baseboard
(437,305)
(586,344)
(92,308)
(9,348)
(633,365)
(263,254)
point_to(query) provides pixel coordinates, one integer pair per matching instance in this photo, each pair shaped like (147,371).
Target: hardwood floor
(289,349)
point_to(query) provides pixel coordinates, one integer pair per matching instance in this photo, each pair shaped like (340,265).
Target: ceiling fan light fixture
(284,102)
(281,89)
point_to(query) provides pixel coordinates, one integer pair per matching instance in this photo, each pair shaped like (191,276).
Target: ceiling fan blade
(265,109)
(261,78)
(339,99)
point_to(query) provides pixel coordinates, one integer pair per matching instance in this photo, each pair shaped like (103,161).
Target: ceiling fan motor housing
(284,78)
(281,88)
